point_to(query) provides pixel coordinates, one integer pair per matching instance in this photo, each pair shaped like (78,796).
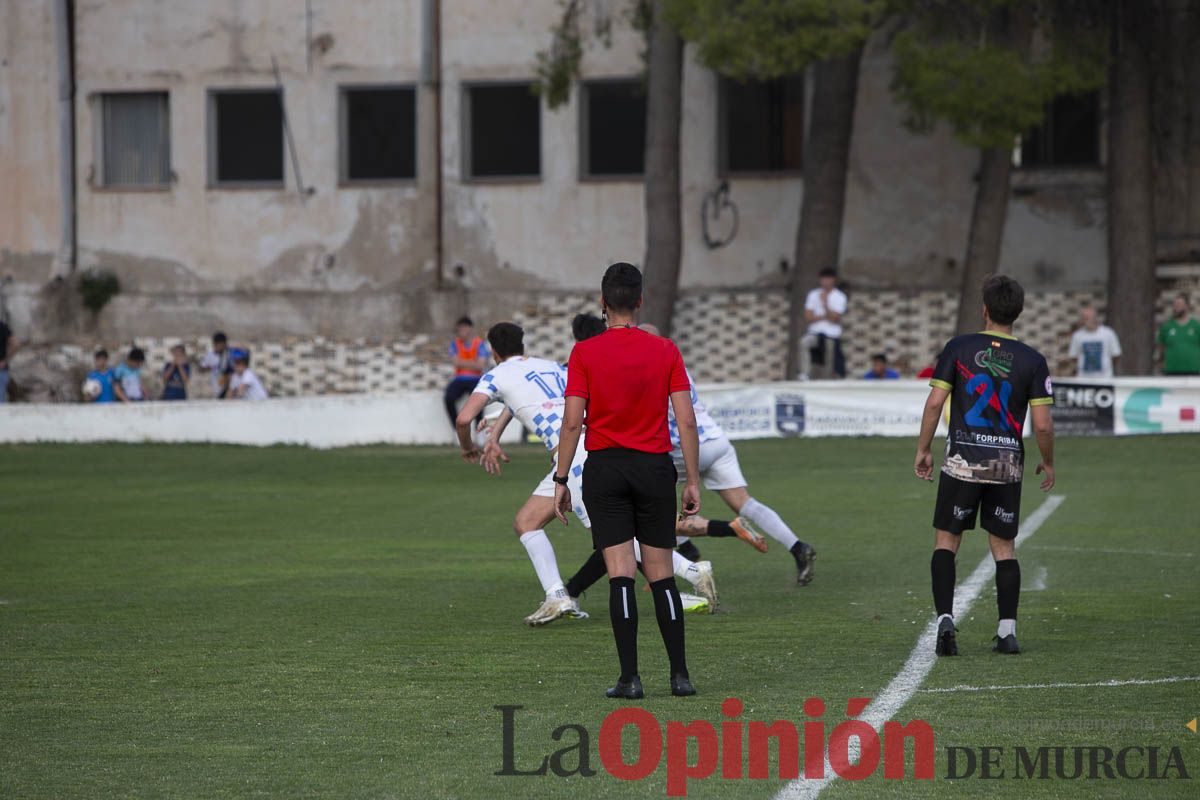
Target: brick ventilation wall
(724,336)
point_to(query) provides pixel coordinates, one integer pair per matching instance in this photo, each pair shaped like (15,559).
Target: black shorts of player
(998,505)
(630,494)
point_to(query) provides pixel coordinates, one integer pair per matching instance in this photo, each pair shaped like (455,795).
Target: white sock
(681,566)
(771,523)
(681,539)
(541,553)
(945,616)
(1007,627)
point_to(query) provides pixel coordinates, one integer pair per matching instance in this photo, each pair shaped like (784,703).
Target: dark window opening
(614,128)
(505,133)
(248,136)
(1069,136)
(379,134)
(137,139)
(762,125)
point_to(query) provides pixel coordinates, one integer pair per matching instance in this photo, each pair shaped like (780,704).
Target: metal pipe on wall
(431,77)
(64,41)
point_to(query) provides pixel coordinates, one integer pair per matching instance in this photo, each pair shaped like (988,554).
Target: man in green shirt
(1180,338)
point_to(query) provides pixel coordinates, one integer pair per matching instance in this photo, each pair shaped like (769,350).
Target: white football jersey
(533,389)
(706,426)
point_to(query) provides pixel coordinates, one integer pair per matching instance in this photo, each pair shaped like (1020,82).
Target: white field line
(920,661)
(1093,685)
(1116,551)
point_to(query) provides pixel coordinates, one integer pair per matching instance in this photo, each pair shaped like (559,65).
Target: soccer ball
(91,388)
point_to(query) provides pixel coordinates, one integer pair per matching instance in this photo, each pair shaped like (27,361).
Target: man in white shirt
(245,385)
(823,310)
(1095,347)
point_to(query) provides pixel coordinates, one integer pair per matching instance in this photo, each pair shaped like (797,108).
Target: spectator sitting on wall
(8,346)
(1095,347)
(1180,340)
(823,310)
(103,376)
(470,355)
(880,370)
(219,367)
(127,377)
(245,385)
(176,374)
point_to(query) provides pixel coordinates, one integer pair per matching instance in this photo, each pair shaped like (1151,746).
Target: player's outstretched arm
(689,443)
(1043,429)
(568,443)
(493,453)
(923,464)
(462,425)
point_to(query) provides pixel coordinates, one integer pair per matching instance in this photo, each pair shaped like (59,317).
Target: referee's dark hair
(585,326)
(621,287)
(507,339)
(1004,298)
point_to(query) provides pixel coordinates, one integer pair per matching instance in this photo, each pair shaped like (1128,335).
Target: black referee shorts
(630,494)
(998,506)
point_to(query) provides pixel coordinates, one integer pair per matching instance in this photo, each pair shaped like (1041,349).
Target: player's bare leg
(529,525)
(769,522)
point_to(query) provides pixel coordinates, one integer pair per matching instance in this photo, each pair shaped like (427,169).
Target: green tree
(974,65)
(583,24)
(771,38)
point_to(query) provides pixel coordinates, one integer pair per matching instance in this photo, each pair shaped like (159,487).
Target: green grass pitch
(199,622)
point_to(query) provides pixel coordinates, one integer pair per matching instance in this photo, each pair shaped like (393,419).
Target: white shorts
(574,483)
(719,467)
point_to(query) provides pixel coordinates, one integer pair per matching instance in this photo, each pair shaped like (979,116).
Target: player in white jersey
(721,473)
(532,391)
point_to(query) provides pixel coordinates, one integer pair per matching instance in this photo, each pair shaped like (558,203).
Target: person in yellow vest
(469,354)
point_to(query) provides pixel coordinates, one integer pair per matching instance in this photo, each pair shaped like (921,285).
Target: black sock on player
(592,570)
(941,569)
(717,528)
(622,612)
(668,607)
(1008,587)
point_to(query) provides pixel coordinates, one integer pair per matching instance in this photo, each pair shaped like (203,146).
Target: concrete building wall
(361,260)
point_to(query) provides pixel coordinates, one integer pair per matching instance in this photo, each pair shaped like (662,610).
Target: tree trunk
(1131,262)
(986,235)
(826,160)
(664,231)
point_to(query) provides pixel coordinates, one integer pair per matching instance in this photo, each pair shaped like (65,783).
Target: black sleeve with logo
(992,380)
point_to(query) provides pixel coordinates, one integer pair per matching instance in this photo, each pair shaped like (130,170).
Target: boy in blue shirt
(103,376)
(880,371)
(176,374)
(127,377)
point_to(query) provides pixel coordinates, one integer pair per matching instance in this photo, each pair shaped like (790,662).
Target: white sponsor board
(745,411)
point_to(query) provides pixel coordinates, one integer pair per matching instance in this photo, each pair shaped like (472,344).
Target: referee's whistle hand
(562,502)
(691,500)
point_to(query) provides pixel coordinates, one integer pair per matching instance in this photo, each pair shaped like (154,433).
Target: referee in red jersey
(621,381)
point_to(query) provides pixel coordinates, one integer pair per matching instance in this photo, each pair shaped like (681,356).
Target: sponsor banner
(1083,409)
(1161,408)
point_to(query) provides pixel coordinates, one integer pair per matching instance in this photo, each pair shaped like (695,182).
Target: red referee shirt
(627,376)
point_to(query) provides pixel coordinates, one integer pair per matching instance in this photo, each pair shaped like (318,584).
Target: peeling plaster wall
(361,260)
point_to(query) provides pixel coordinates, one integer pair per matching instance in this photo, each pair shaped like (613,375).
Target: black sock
(622,611)
(796,548)
(718,527)
(669,610)
(1008,587)
(592,570)
(941,568)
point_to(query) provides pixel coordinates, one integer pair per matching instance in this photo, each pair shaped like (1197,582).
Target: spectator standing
(102,375)
(176,374)
(8,346)
(469,354)
(823,310)
(245,385)
(219,365)
(127,377)
(1094,347)
(880,371)
(1180,340)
